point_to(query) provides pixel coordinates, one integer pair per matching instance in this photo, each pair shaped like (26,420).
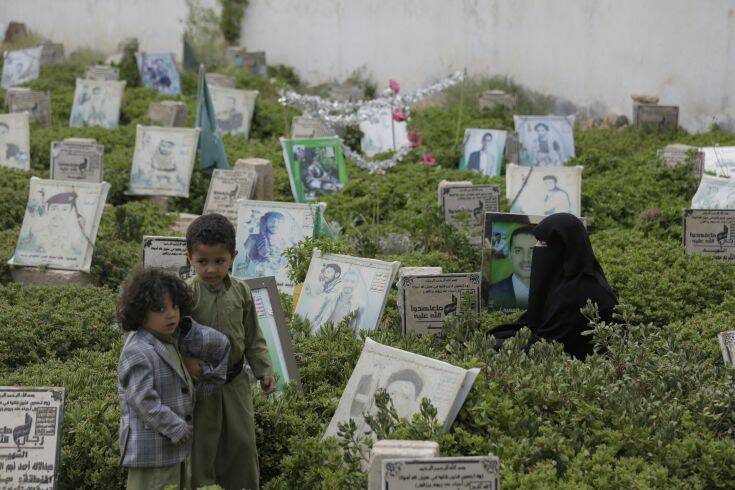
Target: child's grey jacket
(156,408)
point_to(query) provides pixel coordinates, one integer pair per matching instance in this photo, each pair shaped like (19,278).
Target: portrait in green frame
(316,167)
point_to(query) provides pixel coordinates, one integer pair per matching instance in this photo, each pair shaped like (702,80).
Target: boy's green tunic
(224,450)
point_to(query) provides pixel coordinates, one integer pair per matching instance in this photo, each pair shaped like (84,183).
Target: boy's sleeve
(213,348)
(135,375)
(256,349)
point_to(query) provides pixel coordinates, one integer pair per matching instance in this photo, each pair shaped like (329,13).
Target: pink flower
(414,136)
(395,86)
(428,160)
(399,115)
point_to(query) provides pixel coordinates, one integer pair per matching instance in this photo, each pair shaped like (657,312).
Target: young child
(156,392)
(224,449)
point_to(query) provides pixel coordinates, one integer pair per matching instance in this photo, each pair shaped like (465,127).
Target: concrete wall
(592,52)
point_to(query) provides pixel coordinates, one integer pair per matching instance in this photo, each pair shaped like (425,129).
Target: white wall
(589,51)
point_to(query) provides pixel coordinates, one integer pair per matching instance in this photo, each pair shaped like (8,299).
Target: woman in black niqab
(565,274)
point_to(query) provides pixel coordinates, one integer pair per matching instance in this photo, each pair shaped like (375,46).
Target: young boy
(224,450)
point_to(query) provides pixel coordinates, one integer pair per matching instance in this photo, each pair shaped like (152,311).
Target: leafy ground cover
(656,411)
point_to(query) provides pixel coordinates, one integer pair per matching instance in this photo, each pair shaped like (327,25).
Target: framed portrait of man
(272,322)
(507,254)
(15,143)
(21,66)
(265,230)
(97,103)
(316,167)
(483,151)
(544,191)
(546,141)
(714,193)
(234,109)
(163,161)
(158,71)
(339,285)
(60,224)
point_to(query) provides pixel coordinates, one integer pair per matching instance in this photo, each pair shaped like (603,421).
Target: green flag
(211,150)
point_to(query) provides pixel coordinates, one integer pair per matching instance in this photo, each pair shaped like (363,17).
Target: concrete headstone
(391,449)
(264,170)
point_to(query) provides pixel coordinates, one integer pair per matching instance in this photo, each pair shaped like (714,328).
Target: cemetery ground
(656,410)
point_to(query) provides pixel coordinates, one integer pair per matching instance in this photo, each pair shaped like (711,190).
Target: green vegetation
(656,411)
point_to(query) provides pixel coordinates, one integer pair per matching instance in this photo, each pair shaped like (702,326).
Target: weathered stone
(30,276)
(219,80)
(308,127)
(391,449)
(15,31)
(494,98)
(51,53)
(168,113)
(265,182)
(102,72)
(644,98)
(675,154)
(346,93)
(446,184)
(183,220)
(656,117)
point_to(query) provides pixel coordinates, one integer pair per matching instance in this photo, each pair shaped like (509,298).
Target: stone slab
(391,449)
(264,170)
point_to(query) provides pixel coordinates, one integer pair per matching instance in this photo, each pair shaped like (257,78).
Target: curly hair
(146,291)
(211,229)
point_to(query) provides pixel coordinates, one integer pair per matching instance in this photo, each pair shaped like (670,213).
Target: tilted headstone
(31,420)
(168,113)
(225,188)
(710,232)
(493,98)
(457,473)
(102,72)
(390,449)
(219,80)
(656,117)
(36,104)
(77,159)
(15,31)
(51,53)
(264,170)
(512,148)
(309,127)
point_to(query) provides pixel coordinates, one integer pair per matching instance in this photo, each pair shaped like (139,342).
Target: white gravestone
(77,159)
(457,473)
(225,188)
(389,448)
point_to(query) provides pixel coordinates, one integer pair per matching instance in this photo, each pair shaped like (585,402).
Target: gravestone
(447,184)
(31,421)
(309,127)
(656,117)
(254,62)
(512,148)
(264,170)
(427,300)
(465,207)
(457,473)
(225,188)
(391,449)
(411,271)
(346,93)
(11,92)
(183,220)
(77,159)
(15,31)
(219,80)
(51,53)
(710,232)
(168,113)
(167,254)
(677,154)
(727,346)
(494,98)
(36,104)
(102,72)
